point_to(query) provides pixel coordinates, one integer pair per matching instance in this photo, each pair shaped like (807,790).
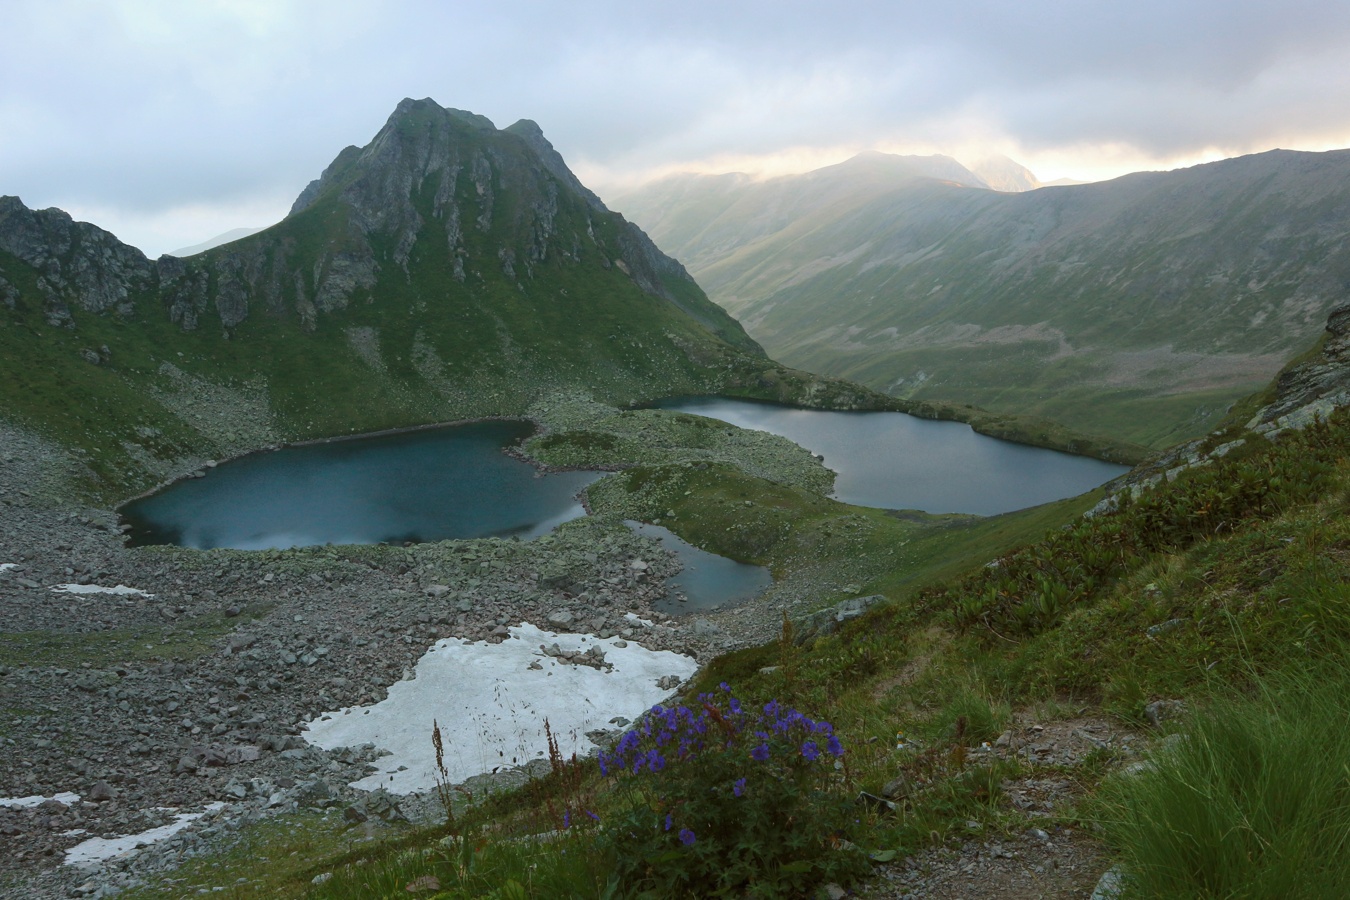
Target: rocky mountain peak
(533,135)
(1004,174)
(439,203)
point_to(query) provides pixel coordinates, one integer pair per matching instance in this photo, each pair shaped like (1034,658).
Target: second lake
(896,461)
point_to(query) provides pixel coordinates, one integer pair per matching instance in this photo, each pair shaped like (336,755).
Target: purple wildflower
(687,837)
(668,821)
(567,818)
(834,747)
(739,787)
(810,751)
(592,815)
(655,761)
(760,753)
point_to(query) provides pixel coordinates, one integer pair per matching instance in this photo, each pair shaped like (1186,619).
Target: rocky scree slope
(446,270)
(1139,307)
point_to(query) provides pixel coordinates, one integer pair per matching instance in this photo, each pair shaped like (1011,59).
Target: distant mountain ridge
(227,237)
(707,217)
(1139,307)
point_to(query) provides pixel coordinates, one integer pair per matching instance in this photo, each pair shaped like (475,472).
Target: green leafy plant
(726,801)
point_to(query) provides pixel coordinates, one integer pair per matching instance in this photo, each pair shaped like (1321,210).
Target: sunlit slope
(1140,307)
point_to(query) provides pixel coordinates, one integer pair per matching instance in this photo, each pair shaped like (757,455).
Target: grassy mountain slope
(1138,308)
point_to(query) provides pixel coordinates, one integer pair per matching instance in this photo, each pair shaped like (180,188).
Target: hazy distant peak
(943,168)
(1004,174)
(233,234)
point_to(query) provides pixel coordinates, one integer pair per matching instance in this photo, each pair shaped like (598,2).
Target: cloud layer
(169,122)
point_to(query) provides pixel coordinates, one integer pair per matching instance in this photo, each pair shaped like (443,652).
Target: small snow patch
(96,850)
(491,705)
(27,802)
(121,590)
(638,620)
(5,567)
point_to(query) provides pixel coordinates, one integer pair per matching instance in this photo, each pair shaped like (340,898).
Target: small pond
(426,485)
(896,461)
(706,581)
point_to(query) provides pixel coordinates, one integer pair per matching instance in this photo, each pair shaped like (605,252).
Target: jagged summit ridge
(436,188)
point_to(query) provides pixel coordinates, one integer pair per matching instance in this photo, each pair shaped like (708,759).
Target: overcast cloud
(170,122)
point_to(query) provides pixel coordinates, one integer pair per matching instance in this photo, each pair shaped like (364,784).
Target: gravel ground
(1041,858)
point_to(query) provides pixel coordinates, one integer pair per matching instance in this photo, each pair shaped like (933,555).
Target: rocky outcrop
(1314,387)
(77,264)
(529,131)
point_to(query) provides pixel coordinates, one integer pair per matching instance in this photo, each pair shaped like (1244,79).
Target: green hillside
(1138,308)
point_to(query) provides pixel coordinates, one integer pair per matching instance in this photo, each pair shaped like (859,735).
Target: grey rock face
(79,263)
(529,131)
(827,621)
(1324,377)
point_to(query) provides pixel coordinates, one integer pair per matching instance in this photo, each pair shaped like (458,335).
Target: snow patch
(638,620)
(491,705)
(121,590)
(95,850)
(35,799)
(5,567)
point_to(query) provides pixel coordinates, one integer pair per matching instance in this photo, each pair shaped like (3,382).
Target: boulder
(827,621)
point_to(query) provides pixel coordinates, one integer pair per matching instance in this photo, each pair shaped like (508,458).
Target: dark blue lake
(895,461)
(434,484)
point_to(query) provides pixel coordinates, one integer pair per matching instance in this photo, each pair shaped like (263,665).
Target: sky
(169,122)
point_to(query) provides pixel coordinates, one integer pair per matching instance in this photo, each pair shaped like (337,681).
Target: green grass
(1252,800)
(276,857)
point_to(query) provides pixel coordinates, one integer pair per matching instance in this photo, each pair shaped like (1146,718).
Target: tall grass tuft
(1251,801)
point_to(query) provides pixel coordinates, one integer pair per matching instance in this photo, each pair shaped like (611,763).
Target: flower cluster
(726,795)
(720,724)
